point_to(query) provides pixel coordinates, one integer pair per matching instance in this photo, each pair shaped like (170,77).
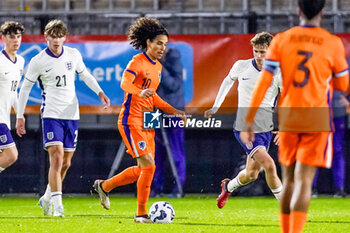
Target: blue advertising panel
(106,61)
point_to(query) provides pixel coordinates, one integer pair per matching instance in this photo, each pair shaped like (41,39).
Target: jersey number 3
(307,55)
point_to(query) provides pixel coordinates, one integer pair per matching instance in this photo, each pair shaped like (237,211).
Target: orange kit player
(140,80)
(312,62)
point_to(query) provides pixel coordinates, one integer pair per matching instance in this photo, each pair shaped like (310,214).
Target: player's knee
(66,165)
(12,157)
(252,175)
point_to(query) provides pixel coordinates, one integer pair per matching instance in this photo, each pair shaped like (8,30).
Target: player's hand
(104,99)
(247,135)
(276,140)
(182,115)
(147,93)
(20,126)
(209,113)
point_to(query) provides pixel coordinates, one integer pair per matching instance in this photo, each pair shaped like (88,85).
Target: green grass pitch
(192,214)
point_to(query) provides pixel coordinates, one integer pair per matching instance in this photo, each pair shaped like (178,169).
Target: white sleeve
(23,96)
(90,81)
(224,88)
(80,63)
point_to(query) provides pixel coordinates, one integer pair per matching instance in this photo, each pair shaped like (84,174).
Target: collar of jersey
(7,56)
(48,51)
(308,26)
(150,60)
(255,65)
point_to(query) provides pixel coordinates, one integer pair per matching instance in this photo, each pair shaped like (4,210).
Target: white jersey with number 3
(247,74)
(10,76)
(56,76)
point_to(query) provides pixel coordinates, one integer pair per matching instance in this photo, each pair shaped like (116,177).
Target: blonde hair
(262,38)
(56,28)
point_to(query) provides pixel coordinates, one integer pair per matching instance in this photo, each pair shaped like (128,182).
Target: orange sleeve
(258,95)
(341,83)
(127,84)
(164,106)
(128,78)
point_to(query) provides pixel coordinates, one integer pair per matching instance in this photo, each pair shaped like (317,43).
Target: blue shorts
(261,140)
(60,132)
(6,139)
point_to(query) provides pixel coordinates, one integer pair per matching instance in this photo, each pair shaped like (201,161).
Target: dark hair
(262,38)
(10,27)
(145,28)
(56,28)
(311,8)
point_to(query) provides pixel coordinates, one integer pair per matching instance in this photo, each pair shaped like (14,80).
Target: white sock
(1,169)
(234,184)
(56,198)
(47,194)
(277,192)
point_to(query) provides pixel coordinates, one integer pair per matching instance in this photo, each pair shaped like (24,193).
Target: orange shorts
(138,141)
(313,149)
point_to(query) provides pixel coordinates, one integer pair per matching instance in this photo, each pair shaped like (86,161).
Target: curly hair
(10,27)
(262,38)
(145,28)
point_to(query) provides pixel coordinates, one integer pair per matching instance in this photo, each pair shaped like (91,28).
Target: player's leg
(247,175)
(8,150)
(69,144)
(286,195)
(56,155)
(147,165)
(53,134)
(272,179)
(300,200)
(314,150)
(8,156)
(244,177)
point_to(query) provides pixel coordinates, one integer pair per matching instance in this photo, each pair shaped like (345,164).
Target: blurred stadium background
(212,154)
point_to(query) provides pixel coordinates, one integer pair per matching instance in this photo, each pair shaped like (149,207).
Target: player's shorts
(138,141)
(313,149)
(6,139)
(262,140)
(60,132)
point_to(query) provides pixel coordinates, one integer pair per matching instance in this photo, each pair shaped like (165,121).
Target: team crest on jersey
(160,75)
(142,145)
(69,65)
(3,138)
(50,135)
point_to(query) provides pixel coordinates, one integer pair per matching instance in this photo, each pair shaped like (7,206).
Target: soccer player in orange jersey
(312,63)
(140,81)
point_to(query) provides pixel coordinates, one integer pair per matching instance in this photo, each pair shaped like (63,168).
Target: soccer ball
(162,212)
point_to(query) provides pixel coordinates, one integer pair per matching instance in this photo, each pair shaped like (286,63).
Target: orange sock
(297,221)
(128,176)
(284,222)
(144,188)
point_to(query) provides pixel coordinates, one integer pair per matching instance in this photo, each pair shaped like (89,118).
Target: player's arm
(127,83)
(340,68)
(164,106)
(22,102)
